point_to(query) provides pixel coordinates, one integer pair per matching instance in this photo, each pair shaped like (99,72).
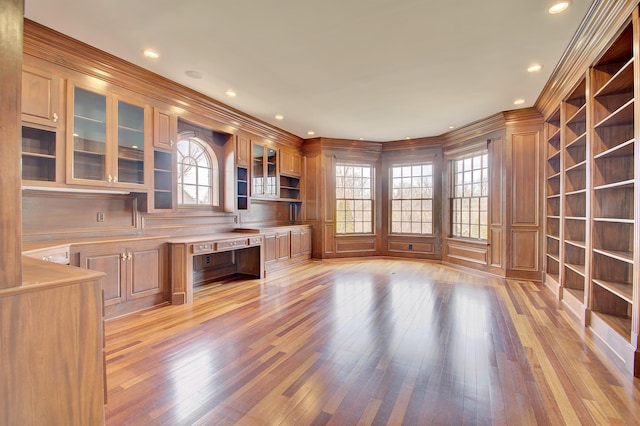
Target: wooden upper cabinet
(243,151)
(41,97)
(264,173)
(290,163)
(108,139)
(165,129)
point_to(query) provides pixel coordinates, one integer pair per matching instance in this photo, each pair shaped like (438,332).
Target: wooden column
(11,24)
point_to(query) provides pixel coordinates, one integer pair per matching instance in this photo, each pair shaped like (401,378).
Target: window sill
(475,241)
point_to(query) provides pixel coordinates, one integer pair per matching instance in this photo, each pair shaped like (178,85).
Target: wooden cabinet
(264,171)
(42,146)
(165,129)
(276,247)
(287,245)
(41,97)
(290,163)
(107,139)
(243,151)
(135,274)
(300,241)
(163,181)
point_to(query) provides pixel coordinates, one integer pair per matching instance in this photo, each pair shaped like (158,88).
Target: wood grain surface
(375,341)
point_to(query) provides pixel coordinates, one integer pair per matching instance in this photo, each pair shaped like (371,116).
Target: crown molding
(57,48)
(602,23)
(473,130)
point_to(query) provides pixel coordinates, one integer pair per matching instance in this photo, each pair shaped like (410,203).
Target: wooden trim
(602,22)
(473,130)
(10,148)
(62,50)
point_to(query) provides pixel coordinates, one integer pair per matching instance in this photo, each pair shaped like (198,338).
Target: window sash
(354,198)
(470,196)
(411,199)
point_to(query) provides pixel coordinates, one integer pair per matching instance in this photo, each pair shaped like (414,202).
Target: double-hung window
(470,196)
(354,198)
(412,199)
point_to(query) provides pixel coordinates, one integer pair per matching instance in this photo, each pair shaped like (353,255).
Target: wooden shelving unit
(38,154)
(553,200)
(613,187)
(242,190)
(162,180)
(574,190)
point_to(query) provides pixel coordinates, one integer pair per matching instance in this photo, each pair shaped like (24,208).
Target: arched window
(197,174)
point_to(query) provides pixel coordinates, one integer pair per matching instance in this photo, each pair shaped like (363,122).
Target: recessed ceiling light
(134,146)
(311,133)
(193,74)
(452,127)
(279,117)
(534,68)
(407,138)
(231,93)
(558,6)
(361,139)
(151,54)
(518,102)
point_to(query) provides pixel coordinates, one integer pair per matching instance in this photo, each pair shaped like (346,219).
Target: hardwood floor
(364,342)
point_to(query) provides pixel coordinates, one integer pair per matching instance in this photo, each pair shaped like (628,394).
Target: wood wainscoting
(366,341)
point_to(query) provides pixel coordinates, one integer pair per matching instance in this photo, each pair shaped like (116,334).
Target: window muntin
(412,199)
(470,196)
(197,174)
(354,199)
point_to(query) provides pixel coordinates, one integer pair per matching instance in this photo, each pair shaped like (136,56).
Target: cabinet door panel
(40,97)
(296,243)
(242,151)
(112,265)
(164,129)
(146,275)
(284,246)
(306,242)
(270,248)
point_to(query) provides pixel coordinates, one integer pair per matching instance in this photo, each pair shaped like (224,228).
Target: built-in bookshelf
(162,180)
(242,190)
(613,176)
(575,196)
(553,199)
(38,154)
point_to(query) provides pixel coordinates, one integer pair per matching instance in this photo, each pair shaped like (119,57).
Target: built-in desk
(248,258)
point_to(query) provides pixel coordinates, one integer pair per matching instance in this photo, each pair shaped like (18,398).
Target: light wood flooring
(364,342)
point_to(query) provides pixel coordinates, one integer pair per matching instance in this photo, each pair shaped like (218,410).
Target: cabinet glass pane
(89,135)
(258,171)
(271,171)
(130,143)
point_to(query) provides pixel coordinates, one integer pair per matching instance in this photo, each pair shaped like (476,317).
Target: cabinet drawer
(232,244)
(255,241)
(55,254)
(202,248)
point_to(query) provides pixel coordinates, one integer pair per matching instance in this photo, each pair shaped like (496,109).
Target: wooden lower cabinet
(284,246)
(136,276)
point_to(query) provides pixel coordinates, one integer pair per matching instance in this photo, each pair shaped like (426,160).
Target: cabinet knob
(110,178)
(129,256)
(124,256)
(115,179)
(55,117)
(171,142)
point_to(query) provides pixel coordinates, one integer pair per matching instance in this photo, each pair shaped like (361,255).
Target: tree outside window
(354,199)
(412,199)
(470,196)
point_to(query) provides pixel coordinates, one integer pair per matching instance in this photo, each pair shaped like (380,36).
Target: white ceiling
(374,69)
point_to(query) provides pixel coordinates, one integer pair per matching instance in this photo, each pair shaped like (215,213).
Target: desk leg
(181,274)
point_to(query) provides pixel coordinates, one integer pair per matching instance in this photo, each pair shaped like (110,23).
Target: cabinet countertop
(40,275)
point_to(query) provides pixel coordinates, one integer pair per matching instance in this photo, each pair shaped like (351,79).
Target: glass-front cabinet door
(130,143)
(264,179)
(89,135)
(107,139)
